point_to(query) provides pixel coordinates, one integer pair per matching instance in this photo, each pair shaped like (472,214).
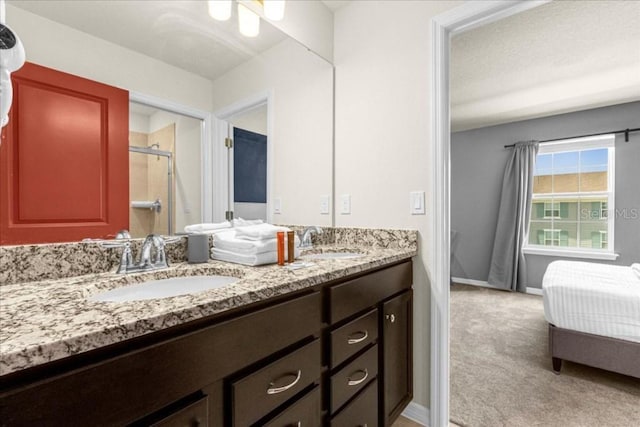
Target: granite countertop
(47,320)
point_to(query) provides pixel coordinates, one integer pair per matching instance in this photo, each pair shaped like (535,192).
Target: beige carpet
(501,370)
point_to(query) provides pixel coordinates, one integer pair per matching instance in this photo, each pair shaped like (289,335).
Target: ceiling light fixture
(248,22)
(220,10)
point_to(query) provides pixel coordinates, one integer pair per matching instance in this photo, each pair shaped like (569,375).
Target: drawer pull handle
(361,380)
(357,340)
(299,424)
(391,318)
(276,390)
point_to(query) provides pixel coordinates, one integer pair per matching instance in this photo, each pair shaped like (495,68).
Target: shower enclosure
(151,190)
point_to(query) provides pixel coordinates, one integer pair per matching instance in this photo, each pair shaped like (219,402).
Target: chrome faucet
(152,253)
(305,235)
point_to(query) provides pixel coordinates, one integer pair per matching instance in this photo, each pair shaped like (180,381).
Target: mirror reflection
(268,93)
(164,171)
(248,178)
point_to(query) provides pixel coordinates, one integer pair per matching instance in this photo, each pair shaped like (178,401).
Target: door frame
(220,151)
(468,16)
(206,170)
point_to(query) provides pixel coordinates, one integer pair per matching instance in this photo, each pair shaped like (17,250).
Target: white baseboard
(473,282)
(418,413)
(482,283)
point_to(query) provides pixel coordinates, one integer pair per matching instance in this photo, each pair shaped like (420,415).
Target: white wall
(383,147)
(138,122)
(301,84)
(63,48)
(254,120)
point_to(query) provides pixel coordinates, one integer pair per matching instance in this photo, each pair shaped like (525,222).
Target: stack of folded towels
(213,228)
(249,243)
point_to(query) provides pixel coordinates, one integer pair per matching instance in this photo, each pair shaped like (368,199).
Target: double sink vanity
(327,344)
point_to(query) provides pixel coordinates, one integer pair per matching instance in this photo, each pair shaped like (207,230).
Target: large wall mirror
(193,82)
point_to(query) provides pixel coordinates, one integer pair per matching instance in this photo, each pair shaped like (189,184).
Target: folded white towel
(259,232)
(239,222)
(207,227)
(635,267)
(253,259)
(257,259)
(229,242)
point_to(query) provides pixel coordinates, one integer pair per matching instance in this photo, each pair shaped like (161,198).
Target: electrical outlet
(324,205)
(345,204)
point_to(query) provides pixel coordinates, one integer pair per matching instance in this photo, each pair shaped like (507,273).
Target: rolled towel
(229,242)
(259,232)
(635,267)
(207,227)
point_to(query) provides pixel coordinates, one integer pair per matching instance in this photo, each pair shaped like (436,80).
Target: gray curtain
(508,269)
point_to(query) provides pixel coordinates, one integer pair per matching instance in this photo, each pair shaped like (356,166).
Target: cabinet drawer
(353,377)
(354,336)
(305,412)
(194,415)
(255,395)
(355,295)
(362,411)
(157,375)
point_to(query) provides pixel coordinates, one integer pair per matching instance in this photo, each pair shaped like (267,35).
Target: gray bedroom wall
(477,165)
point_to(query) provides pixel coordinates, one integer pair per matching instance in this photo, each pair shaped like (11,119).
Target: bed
(593,311)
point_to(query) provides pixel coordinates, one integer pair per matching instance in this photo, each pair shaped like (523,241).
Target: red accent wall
(64,159)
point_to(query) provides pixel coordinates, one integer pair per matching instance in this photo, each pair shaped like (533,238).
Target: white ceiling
(335,4)
(180,33)
(560,57)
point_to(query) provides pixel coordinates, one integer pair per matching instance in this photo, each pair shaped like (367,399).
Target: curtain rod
(625,131)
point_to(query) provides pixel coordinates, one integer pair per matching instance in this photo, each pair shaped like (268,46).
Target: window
(572,197)
(551,211)
(552,237)
(603,240)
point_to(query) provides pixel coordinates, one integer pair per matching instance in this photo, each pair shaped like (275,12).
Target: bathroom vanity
(325,345)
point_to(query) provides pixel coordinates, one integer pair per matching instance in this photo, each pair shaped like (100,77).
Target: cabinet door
(64,159)
(397,353)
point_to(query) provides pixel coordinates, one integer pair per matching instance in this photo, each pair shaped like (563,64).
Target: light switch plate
(277,205)
(345,204)
(416,203)
(324,205)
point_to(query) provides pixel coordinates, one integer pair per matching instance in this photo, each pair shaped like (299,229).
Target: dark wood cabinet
(397,355)
(356,335)
(336,354)
(258,393)
(194,415)
(306,412)
(361,411)
(348,381)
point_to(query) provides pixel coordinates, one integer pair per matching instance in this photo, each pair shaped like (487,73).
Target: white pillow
(635,267)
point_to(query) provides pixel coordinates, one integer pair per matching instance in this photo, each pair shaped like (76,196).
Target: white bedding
(594,298)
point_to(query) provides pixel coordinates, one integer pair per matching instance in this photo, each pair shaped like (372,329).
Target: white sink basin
(164,288)
(333,255)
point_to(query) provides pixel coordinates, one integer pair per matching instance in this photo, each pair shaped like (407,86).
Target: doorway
(463,18)
(244,140)
(169,185)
